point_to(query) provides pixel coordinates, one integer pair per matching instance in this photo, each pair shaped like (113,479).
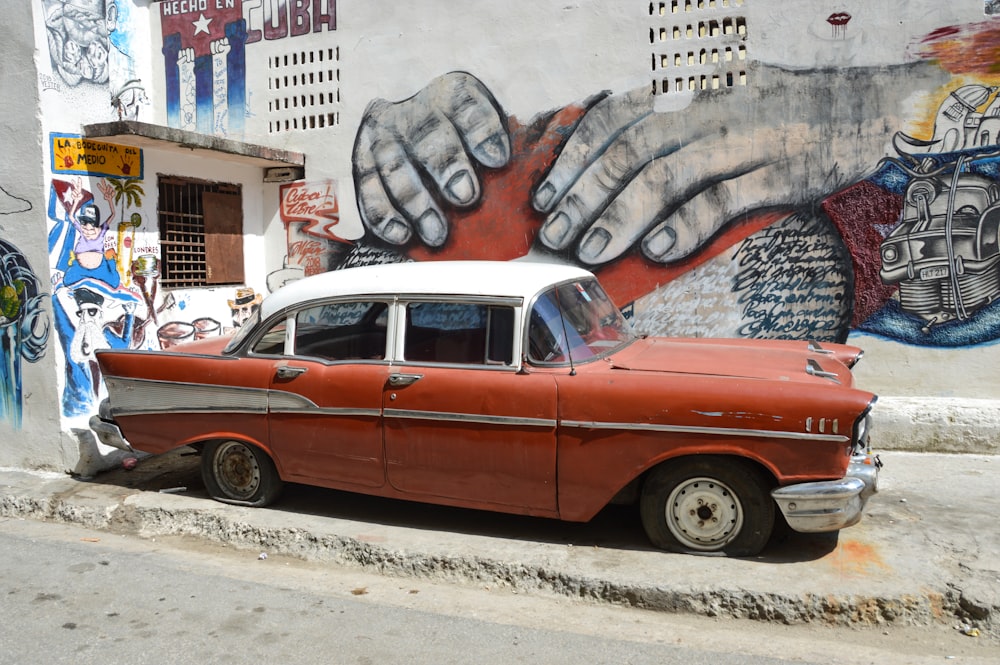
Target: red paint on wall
(503,227)
(857,211)
(967,49)
(198,30)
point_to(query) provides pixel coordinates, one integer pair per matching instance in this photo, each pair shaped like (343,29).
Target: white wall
(29,423)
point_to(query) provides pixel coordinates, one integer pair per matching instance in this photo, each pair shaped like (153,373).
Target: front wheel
(708,505)
(236,472)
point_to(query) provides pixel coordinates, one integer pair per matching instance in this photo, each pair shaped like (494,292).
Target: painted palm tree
(128,193)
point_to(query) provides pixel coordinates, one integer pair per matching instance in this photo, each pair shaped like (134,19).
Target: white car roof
(518,278)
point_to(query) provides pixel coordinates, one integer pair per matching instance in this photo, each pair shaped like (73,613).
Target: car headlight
(890,254)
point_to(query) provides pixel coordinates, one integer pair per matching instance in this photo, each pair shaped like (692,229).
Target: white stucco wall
(29,426)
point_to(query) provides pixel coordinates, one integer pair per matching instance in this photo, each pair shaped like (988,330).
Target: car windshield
(575,322)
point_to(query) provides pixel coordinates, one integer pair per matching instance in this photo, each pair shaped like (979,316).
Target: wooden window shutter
(223,237)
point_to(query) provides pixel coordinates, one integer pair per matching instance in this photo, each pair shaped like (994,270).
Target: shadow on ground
(615,527)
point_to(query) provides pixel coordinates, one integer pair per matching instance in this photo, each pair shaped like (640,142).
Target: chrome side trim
(281,400)
(144,396)
(172,354)
(545,422)
(183,397)
(689,429)
(469,418)
(328,411)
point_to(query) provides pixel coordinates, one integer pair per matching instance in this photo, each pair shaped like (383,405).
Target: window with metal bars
(201,232)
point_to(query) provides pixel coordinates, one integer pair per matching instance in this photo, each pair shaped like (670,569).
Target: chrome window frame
(403,300)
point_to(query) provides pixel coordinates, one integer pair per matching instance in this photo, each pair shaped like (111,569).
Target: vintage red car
(515,387)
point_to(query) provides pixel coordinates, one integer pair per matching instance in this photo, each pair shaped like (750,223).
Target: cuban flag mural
(205,61)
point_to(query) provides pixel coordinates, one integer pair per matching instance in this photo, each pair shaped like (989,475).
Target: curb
(711,587)
(937,425)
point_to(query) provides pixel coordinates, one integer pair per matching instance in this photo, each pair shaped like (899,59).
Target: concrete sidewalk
(925,552)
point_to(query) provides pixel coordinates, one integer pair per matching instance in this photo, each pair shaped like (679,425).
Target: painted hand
(669,182)
(415,157)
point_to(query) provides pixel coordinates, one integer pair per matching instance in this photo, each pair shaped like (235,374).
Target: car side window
(273,341)
(343,331)
(465,333)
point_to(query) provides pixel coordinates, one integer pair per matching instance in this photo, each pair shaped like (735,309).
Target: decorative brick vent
(304,90)
(697,45)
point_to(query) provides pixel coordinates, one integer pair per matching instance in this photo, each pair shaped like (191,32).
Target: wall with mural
(96,222)
(729,168)
(104,251)
(89,70)
(795,169)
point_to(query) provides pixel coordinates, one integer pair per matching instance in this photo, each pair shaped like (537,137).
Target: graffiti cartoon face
(21,311)
(247,302)
(78,38)
(90,329)
(90,222)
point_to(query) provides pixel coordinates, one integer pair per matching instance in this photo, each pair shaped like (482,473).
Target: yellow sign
(74,154)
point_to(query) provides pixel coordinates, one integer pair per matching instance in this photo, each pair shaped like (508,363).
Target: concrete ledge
(937,425)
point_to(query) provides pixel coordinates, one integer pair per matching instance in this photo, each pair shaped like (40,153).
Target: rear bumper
(107,431)
(830,505)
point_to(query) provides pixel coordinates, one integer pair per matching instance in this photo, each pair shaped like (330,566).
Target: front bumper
(830,505)
(107,431)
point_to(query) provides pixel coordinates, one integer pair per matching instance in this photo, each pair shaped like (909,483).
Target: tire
(239,473)
(705,505)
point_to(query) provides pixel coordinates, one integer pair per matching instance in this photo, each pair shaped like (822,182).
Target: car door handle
(287,372)
(404,379)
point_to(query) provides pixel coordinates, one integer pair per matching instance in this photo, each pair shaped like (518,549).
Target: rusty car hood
(775,360)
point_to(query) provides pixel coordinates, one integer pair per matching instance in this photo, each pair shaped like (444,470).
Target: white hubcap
(704,514)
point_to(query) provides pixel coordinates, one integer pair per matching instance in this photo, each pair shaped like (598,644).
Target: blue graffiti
(24,328)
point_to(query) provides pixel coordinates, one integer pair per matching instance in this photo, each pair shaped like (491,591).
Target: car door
(324,398)
(461,424)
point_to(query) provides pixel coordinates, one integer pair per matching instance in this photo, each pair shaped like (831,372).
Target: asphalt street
(926,551)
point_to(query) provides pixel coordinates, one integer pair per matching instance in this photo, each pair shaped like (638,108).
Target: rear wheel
(708,505)
(236,472)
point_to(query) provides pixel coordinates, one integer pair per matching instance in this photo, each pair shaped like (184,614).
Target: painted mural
(90,42)
(91,307)
(205,58)
(778,216)
(105,283)
(24,323)
(105,268)
(310,213)
(794,221)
